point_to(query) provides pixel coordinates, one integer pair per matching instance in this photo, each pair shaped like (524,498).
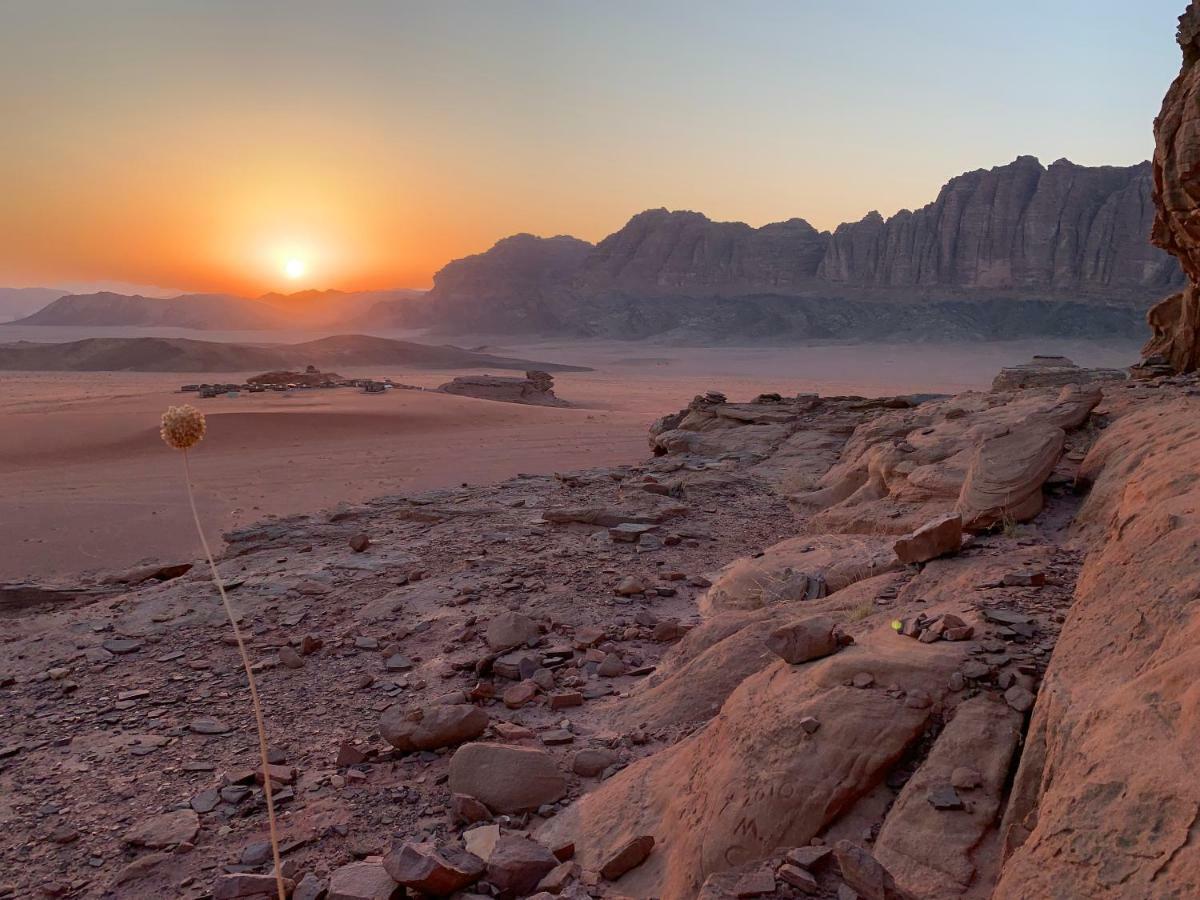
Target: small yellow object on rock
(182,427)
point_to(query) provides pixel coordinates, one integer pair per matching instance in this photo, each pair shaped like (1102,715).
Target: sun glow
(294,268)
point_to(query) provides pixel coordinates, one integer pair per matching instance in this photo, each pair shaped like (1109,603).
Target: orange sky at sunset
(201,146)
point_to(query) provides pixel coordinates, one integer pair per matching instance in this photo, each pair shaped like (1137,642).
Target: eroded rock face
(1105,798)
(756,777)
(1176,172)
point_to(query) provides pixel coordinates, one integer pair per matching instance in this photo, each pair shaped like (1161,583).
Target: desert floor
(86,484)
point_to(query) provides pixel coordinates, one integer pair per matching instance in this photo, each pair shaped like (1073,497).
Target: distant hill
(214,312)
(16,303)
(186,355)
(201,311)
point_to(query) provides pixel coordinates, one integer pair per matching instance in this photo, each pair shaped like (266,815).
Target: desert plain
(87,486)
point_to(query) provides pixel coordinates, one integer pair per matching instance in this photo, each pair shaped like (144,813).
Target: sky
(223,145)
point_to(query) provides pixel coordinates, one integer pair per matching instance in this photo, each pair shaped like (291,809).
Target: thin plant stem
(258,716)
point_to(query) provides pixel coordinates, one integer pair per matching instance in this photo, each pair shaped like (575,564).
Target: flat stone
(207,725)
(809,856)
(120,646)
(165,830)
(1006,617)
(364,880)
(247,884)
(755,884)
(944,797)
(799,878)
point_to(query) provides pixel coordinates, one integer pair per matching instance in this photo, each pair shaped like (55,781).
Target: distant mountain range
(15,303)
(270,312)
(1017,250)
(186,355)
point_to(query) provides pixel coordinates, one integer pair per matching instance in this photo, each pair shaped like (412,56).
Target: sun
(294,268)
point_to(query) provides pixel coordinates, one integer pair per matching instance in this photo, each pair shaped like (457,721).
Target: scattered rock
(431,870)
(805,640)
(629,856)
(510,629)
(517,865)
(165,830)
(933,539)
(363,880)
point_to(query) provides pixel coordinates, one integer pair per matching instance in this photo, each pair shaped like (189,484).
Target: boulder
(433,727)
(517,865)
(1005,477)
(807,639)
(510,629)
(506,779)
(435,871)
(627,857)
(935,538)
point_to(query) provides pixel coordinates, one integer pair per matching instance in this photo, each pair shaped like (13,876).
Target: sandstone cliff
(1175,321)
(1066,227)
(975,263)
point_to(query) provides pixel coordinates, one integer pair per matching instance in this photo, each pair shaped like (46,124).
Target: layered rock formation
(1066,227)
(1020,249)
(536,388)
(659,251)
(1175,322)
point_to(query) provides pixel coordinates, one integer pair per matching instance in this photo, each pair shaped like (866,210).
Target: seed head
(182,427)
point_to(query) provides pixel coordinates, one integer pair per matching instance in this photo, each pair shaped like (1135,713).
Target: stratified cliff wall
(1065,227)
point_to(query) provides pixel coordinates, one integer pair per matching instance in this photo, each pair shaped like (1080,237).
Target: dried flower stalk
(182,428)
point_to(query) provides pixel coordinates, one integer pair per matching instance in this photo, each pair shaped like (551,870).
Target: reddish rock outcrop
(1175,321)
(536,388)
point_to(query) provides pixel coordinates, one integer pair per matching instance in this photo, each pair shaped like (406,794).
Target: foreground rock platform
(697,676)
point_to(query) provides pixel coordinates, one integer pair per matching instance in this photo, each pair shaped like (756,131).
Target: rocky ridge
(527,687)
(1011,251)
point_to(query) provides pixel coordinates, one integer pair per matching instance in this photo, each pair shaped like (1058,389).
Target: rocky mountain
(1016,250)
